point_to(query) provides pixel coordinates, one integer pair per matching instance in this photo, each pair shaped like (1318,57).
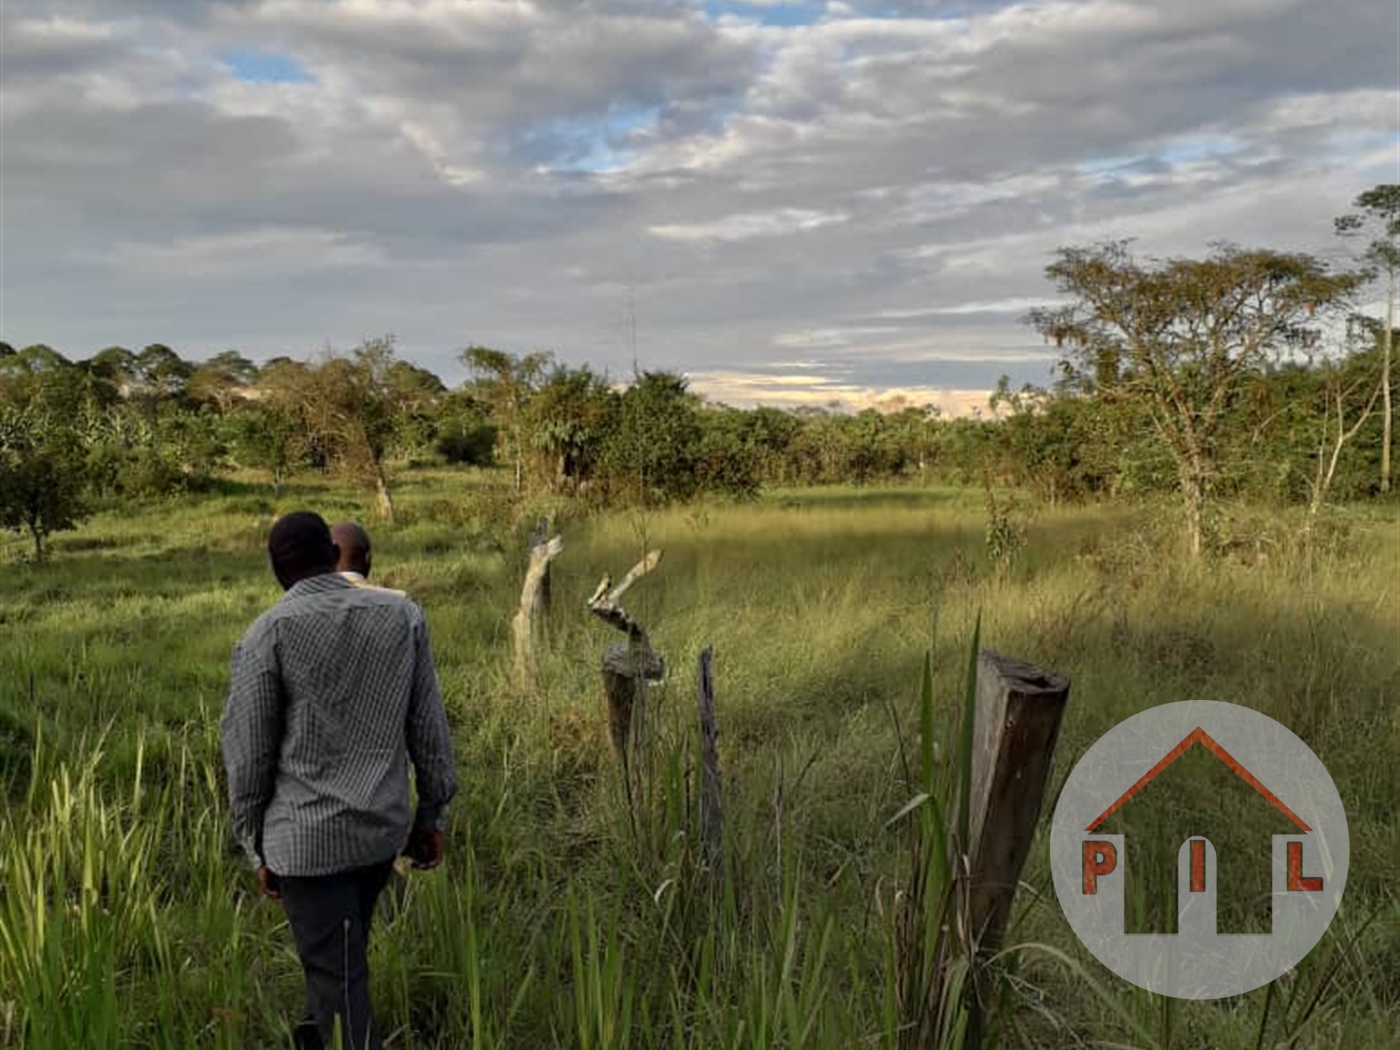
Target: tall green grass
(127,918)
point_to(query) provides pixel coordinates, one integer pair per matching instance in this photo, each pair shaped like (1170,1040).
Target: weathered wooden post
(540,538)
(1017,721)
(627,667)
(534,600)
(711,786)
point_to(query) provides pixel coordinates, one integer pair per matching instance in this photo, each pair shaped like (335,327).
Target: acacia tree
(505,383)
(354,413)
(1377,218)
(164,374)
(222,380)
(1186,335)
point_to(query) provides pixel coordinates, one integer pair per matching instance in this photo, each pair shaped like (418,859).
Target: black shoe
(306,1036)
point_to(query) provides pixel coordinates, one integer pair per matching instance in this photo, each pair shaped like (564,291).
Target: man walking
(351,539)
(333,694)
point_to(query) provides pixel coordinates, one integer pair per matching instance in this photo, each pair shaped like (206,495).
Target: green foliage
(505,383)
(41,475)
(567,419)
(1376,221)
(468,444)
(1006,530)
(649,457)
(162,373)
(222,381)
(353,409)
(1183,338)
(730,455)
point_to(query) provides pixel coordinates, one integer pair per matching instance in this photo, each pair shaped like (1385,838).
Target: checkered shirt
(333,693)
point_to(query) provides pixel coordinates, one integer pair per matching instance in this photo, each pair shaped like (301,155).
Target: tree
(222,380)
(39,375)
(1338,397)
(772,432)
(41,475)
(416,391)
(1378,220)
(162,372)
(1184,336)
(567,418)
(354,413)
(505,383)
(20,367)
(465,433)
(270,430)
(650,454)
(114,370)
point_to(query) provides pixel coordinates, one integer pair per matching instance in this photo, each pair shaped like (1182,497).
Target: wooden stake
(1019,707)
(711,786)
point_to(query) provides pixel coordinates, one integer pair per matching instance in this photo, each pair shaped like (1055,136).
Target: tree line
(1244,373)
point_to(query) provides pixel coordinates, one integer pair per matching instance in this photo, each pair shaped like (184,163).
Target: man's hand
(424,848)
(269,883)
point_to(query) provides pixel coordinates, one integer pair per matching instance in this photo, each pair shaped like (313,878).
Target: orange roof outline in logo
(1200,736)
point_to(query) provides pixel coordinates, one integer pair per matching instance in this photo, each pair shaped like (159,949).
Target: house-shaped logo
(1114,876)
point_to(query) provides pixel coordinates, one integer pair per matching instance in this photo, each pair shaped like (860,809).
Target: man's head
(353,542)
(300,547)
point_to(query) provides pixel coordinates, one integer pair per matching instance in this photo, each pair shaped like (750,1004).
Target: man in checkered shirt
(333,694)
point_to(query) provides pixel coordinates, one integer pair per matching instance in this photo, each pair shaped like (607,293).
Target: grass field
(126,919)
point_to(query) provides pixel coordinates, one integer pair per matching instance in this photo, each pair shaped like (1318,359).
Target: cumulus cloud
(878,185)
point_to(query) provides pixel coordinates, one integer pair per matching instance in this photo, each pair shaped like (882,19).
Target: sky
(791,202)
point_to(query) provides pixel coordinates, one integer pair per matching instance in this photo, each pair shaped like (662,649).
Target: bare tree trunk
(1386,339)
(1191,491)
(1322,479)
(533,599)
(384,499)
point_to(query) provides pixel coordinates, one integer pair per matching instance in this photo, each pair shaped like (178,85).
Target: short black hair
(300,542)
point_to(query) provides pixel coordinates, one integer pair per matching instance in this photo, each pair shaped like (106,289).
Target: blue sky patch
(801,13)
(266,67)
(1203,147)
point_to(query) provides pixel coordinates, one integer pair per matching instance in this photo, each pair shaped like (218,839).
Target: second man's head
(353,542)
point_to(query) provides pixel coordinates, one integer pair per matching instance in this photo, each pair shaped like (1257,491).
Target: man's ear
(335,554)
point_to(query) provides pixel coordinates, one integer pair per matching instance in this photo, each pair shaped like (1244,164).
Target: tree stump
(626,678)
(533,601)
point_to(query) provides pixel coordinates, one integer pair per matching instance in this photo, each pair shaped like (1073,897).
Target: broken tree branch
(629,667)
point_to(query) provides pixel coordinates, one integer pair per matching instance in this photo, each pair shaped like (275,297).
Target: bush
(470,445)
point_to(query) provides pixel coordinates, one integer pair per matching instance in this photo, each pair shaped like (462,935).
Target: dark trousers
(330,918)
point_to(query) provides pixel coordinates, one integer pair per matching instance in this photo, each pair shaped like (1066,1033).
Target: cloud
(746,390)
(776,223)
(279,253)
(878,185)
